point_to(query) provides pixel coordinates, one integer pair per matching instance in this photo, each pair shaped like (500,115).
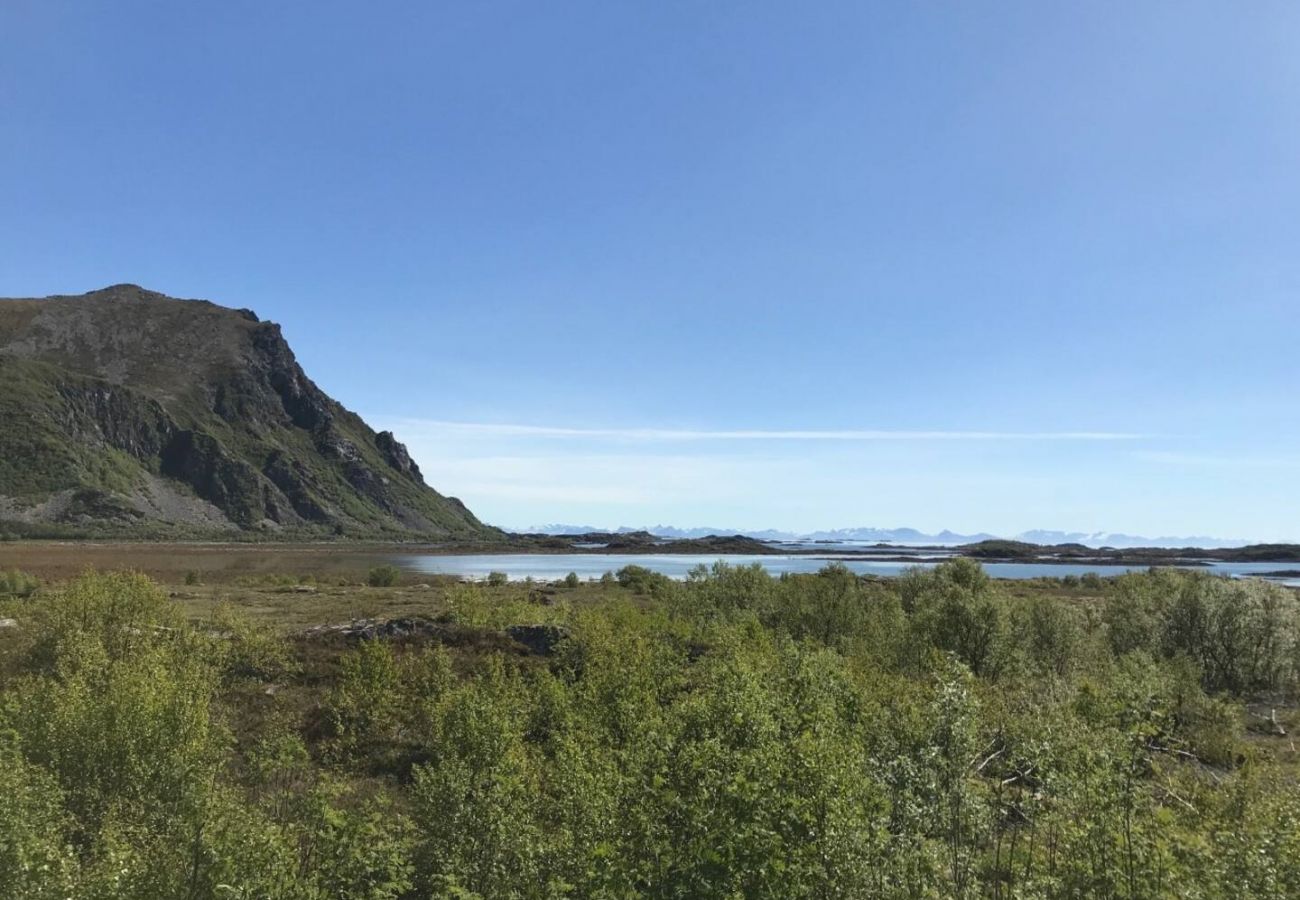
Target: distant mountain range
(906,536)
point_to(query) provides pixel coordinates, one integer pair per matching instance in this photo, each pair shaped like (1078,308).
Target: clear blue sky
(666,234)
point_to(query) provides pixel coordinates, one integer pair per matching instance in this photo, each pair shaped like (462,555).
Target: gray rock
(377,629)
(540,639)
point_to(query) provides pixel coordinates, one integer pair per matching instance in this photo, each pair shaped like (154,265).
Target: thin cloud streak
(489,429)
(1221,462)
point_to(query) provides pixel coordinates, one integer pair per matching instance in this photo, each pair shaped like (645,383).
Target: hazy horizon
(1033,535)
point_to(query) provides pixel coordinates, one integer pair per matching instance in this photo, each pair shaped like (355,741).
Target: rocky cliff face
(125,406)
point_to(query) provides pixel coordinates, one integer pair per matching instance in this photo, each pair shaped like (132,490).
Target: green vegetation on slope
(732,736)
(37,458)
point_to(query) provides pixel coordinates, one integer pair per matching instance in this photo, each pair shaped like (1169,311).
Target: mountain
(895,536)
(660,531)
(557,529)
(909,536)
(124,410)
(886,535)
(1124,541)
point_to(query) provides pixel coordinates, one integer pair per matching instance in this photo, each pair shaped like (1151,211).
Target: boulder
(539,639)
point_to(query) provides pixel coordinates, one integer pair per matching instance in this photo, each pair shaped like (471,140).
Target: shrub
(1047,631)
(384,576)
(497,579)
(17,584)
(249,649)
(829,607)
(33,861)
(124,724)
(363,709)
(955,608)
(571,580)
(643,580)
(1242,635)
(120,612)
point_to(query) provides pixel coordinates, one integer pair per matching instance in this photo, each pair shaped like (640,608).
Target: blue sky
(978,266)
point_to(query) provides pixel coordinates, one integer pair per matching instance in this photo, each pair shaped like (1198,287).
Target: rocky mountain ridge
(125,409)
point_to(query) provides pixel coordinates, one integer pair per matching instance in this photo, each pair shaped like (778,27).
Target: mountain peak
(125,289)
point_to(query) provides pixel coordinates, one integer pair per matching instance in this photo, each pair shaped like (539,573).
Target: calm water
(551,567)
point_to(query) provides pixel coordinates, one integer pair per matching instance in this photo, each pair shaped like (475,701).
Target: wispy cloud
(495,429)
(1217,462)
(599,478)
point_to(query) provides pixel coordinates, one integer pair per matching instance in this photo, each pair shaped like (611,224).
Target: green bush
(644,581)
(955,608)
(1243,635)
(34,862)
(249,649)
(384,576)
(571,580)
(17,584)
(497,579)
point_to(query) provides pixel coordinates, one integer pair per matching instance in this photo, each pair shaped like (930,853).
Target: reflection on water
(549,567)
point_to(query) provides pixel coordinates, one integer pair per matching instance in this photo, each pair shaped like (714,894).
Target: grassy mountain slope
(123,409)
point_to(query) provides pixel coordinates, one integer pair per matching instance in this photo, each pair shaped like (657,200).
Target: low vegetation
(384,576)
(17,584)
(733,735)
